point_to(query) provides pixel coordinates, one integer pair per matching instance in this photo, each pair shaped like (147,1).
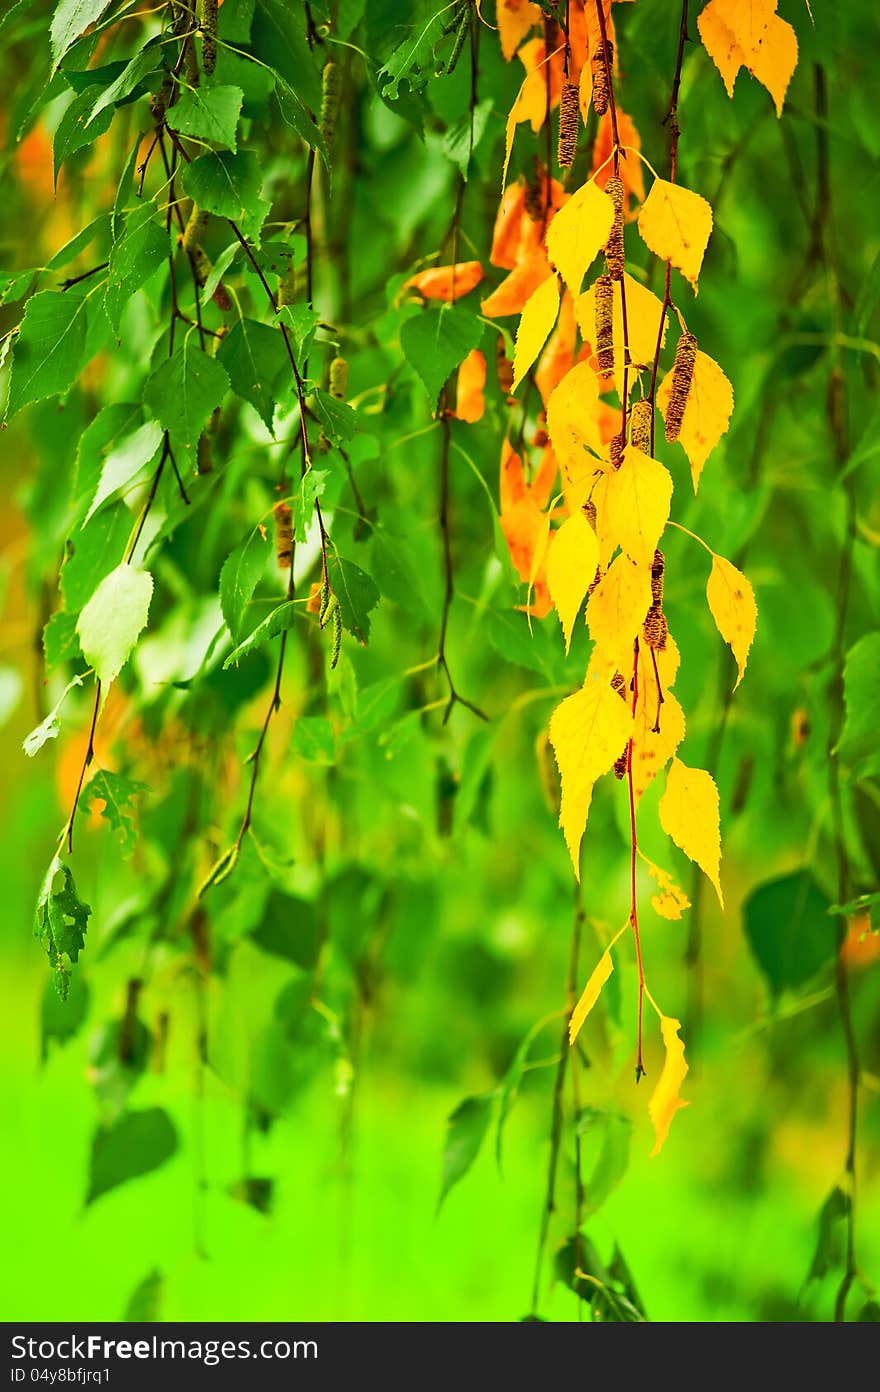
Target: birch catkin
(682,376)
(569,118)
(604,304)
(208,21)
(283,535)
(329,102)
(600,79)
(614,253)
(640,425)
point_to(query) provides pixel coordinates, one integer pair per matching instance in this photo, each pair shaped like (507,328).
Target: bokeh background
(432,851)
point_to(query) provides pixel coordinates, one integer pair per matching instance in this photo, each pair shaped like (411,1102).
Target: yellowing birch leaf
(643,312)
(689,815)
(573,422)
(515,18)
(578,233)
(616,611)
(571,569)
(665,1101)
(538,317)
(732,602)
(721,45)
(587,731)
(669,902)
(591,992)
(632,505)
(675,224)
(652,750)
(706,415)
(776,59)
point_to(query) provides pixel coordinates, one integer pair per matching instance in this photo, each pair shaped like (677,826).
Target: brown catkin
(615,450)
(329,102)
(600,80)
(589,511)
(640,418)
(339,379)
(201,264)
(569,120)
(658,565)
(621,764)
(618,684)
(505,369)
(595,581)
(222,298)
(208,21)
(604,303)
(535,199)
(682,376)
(654,629)
(615,258)
(283,518)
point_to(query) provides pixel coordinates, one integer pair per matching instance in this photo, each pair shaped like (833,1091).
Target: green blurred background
(434,849)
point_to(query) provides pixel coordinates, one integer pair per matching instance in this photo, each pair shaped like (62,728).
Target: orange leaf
(446,282)
(470,403)
(665,1101)
(630,164)
(732,602)
(559,354)
(511,295)
(689,815)
(675,224)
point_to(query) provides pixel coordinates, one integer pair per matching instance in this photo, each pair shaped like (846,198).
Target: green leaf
(60,641)
(789,931)
(145,1302)
(281,618)
(61,1019)
(51,349)
(290,928)
(314,739)
(118,794)
(613,1158)
(98,230)
(303,502)
(411,61)
(465,1131)
(829,1247)
(96,550)
(239,578)
(860,741)
(133,1145)
(255,358)
(147,61)
(70,20)
(137,254)
(16,285)
(77,128)
(457,143)
(298,118)
(228,185)
(49,728)
(182,393)
(278,37)
(61,921)
(110,623)
(124,463)
(218,270)
(301,321)
(436,341)
(209,113)
(357,595)
(339,421)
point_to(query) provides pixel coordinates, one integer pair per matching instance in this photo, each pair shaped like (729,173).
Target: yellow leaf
(643,312)
(665,1101)
(774,63)
(515,19)
(706,415)
(590,994)
(653,749)
(588,731)
(689,814)
(616,612)
(732,602)
(669,901)
(538,317)
(632,505)
(720,43)
(578,233)
(573,422)
(675,224)
(571,569)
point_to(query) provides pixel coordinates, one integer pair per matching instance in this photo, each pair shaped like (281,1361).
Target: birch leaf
(706,414)
(732,602)
(578,233)
(675,224)
(571,569)
(538,317)
(665,1101)
(689,815)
